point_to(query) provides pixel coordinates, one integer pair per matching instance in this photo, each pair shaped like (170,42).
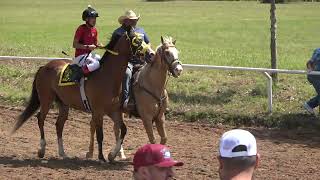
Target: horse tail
(32,106)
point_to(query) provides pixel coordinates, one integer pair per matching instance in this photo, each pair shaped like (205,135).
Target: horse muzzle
(177,69)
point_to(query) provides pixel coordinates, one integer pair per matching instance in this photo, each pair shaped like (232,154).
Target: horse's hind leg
(63,116)
(120,131)
(44,109)
(161,129)
(91,145)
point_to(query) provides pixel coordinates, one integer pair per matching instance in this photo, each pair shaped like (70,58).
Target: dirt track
(293,154)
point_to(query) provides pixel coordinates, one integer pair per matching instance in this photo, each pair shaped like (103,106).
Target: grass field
(219,33)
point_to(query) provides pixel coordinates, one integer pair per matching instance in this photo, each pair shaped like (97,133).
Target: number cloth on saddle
(65,76)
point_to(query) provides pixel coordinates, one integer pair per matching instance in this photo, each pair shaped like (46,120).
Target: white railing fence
(265,71)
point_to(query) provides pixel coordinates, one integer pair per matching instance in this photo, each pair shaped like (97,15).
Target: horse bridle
(169,64)
(137,45)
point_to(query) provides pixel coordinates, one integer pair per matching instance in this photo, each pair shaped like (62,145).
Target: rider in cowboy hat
(85,41)
(130,19)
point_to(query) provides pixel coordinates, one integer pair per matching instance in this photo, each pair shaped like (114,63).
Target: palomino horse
(149,89)
(102,89)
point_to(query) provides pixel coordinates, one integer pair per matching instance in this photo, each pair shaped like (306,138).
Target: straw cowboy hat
(128,15)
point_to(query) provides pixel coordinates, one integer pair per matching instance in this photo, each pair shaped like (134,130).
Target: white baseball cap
(236,137)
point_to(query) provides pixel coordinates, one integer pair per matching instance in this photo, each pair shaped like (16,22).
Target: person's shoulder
(81,27)
(139,29)
(119,31)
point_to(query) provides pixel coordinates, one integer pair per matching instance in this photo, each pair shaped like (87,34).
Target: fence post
(273,39)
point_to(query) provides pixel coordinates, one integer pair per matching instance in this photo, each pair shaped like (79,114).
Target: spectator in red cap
(238,155)
(153,162)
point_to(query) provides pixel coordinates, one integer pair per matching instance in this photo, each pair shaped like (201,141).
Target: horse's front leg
(147,120)
(91,144)
(160,124)
(98,120)
(120,131)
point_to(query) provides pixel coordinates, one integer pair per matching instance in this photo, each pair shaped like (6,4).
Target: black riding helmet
(89,12)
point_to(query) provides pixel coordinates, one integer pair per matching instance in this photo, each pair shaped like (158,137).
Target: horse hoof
(111,157)
(122,157)
(102,159)
(89,155)
(40,153)
(163,142)
(63,156)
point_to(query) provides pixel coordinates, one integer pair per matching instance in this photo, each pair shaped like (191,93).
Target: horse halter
(171,65)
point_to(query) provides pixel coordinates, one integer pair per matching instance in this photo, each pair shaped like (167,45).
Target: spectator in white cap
(238,155)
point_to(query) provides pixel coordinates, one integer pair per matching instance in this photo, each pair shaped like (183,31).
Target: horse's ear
(174,42)
(162,42)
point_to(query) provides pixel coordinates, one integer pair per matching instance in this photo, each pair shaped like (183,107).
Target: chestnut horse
(102,88)
(149,89)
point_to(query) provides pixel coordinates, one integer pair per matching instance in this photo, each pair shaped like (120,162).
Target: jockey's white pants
(92,61)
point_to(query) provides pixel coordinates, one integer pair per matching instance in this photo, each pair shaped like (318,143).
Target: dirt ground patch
(293,154)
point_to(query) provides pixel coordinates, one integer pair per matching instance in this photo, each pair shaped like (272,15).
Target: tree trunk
(273,43)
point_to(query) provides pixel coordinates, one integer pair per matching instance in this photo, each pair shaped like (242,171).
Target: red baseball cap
(154,155)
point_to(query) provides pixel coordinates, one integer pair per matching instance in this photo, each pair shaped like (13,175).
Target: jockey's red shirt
(87,36)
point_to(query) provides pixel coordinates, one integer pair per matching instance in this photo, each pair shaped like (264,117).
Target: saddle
(66,75)
(65,79)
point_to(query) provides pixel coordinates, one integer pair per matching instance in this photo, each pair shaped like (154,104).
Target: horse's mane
(113,41)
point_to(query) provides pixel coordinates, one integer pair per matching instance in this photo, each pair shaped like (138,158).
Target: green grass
(218,33)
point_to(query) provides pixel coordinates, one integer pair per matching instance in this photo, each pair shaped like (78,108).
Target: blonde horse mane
(167,40)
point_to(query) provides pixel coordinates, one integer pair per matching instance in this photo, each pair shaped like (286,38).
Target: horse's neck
(113,68)
(112,62)
(154,76)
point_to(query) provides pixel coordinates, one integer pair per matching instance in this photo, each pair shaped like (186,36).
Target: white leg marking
(121,153)
(61,148)
(42,150)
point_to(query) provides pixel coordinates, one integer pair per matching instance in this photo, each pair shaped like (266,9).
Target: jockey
(130,19)
(85,41)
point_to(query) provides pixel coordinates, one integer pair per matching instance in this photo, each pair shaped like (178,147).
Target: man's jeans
(126,82)
(315,81)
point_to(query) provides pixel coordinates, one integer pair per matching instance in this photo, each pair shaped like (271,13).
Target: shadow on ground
(71,163)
